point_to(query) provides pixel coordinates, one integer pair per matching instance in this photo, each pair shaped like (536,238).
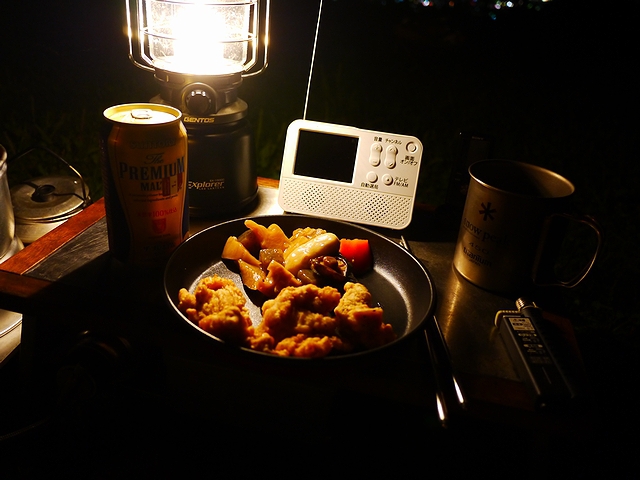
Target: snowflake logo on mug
(486,211)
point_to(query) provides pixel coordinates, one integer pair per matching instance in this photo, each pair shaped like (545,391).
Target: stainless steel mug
(506,230)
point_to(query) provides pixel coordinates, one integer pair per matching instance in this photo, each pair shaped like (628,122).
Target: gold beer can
(144,172)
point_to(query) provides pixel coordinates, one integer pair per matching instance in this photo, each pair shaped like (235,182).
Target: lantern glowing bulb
(197,37)
(194,52)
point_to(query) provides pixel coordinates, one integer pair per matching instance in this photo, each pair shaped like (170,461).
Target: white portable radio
(351,174)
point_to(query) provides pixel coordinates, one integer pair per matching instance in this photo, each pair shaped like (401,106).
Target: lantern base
(222,168)
(199,95)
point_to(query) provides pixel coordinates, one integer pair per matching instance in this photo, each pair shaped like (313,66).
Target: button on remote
(390,158)
(374,158)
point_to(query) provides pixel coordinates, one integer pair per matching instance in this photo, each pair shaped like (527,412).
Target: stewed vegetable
(358,253)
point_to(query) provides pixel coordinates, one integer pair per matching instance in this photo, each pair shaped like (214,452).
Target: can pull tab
(141,114)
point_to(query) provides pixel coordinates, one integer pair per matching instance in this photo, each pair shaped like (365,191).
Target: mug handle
(549,247)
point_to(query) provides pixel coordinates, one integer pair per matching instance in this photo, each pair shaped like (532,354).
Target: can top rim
(142,114)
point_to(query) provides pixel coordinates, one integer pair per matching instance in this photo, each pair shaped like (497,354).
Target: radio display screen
(326,156)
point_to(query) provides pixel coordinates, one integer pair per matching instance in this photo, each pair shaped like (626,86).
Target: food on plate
(300,257)
(314,306)
(359,322)
(234,249)
(300,321)
(303,321)
(358,253)
(267,237)
(269,261)
(218,306)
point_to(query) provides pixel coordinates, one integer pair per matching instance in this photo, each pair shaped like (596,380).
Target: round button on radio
(412,147)
(372,177)
(387,179)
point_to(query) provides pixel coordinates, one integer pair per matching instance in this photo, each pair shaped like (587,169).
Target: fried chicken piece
(301,345)
(218,306)
(262,342)
(306,309)
(358,322)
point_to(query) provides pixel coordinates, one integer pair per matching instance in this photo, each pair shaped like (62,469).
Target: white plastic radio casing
(351,174)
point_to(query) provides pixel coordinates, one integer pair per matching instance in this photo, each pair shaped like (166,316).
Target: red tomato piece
(358,253)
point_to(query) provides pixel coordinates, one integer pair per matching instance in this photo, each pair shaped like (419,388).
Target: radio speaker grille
(349,204)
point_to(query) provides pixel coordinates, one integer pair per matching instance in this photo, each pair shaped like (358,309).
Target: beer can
(144,172)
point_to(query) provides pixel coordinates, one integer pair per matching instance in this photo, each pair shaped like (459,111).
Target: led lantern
(200,51)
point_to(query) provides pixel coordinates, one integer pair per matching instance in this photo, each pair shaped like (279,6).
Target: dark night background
(555,87)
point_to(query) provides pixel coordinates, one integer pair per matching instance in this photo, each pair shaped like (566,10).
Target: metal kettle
(43,203)
(10,322)
(9,243)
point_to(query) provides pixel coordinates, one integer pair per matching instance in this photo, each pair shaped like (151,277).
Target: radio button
(390,158)
(372,177)
(412,147)
(374,157)
(387,179)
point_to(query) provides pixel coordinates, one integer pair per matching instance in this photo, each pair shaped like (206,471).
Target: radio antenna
(313,58)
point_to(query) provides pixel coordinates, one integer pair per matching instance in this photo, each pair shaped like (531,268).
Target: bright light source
(197,37)
(440,407)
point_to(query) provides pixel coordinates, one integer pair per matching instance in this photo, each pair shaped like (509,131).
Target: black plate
(398,281)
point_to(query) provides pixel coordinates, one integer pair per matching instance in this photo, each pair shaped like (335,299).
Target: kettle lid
(48,199)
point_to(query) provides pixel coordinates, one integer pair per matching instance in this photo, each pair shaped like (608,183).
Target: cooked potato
(272,237)
(234,250)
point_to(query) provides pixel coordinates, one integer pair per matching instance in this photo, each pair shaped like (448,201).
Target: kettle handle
(85,196)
